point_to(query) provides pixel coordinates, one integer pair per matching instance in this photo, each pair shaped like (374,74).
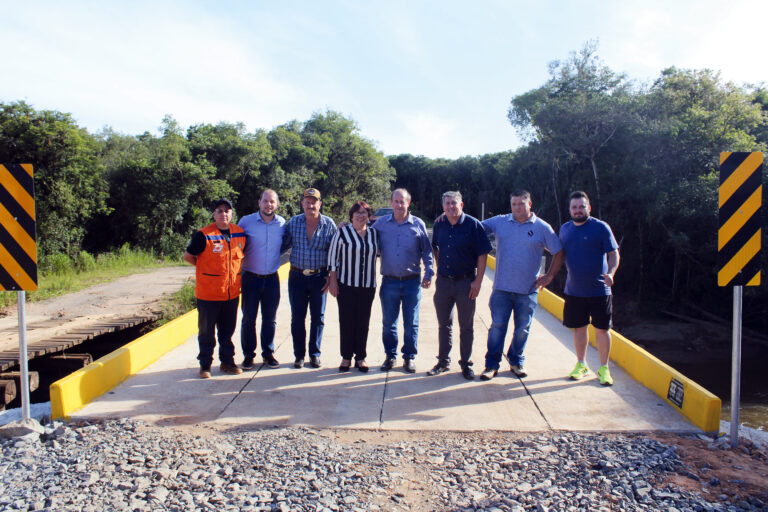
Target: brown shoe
(205,373)
(230,369)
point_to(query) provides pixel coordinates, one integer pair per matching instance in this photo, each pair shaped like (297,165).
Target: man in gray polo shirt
(521,239)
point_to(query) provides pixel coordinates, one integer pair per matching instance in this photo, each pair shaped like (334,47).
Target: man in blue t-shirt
(591,257)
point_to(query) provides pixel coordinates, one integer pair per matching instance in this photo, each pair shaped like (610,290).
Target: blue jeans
(264,291)
(392,293)
(502,304)
(306,291)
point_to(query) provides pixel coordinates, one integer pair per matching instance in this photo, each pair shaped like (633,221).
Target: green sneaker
(580,371)
(605,376)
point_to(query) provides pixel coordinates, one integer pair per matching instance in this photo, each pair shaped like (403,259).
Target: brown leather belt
(307,271)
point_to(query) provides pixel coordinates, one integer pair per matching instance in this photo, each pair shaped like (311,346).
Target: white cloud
(421,78)
(425,133)
(156,60)
(690,35)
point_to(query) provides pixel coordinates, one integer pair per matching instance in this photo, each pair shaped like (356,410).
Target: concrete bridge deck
(169,392)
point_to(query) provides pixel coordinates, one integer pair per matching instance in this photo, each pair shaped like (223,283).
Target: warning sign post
(18,252)
(738,248)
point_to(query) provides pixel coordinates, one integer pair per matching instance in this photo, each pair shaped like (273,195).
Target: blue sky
(432,78)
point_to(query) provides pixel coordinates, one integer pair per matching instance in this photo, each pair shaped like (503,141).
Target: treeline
(98,192)
(648,156)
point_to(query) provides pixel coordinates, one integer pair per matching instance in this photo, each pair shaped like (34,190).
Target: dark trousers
(307,291)
(450,293)
(216,318)
(264,292)
(354,316)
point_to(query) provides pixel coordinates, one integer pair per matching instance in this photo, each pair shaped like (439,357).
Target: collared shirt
(309,254)
(354,257)
(519,248)
(459,245)
(586,247)
(262,252)
(404,246)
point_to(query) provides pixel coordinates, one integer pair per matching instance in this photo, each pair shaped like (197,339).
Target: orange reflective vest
(218,266)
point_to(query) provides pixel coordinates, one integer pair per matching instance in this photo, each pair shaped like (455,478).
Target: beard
(582,217)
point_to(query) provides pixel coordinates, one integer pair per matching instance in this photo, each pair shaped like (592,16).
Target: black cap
(221,202)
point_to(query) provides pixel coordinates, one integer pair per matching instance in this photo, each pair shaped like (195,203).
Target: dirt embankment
(124,297)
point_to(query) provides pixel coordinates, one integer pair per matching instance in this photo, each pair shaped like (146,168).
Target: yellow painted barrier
(77,389)
(700,406)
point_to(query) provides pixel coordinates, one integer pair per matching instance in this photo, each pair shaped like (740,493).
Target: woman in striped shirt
(352,280)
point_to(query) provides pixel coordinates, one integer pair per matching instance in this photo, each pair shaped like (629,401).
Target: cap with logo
(221,202)
(312,192)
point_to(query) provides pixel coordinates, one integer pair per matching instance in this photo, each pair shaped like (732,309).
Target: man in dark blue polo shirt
(461,249)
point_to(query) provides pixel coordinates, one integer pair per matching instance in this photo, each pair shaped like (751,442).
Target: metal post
(736,366)
(21,302)
(482,212)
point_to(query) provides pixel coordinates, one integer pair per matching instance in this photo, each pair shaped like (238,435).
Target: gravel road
(130,465)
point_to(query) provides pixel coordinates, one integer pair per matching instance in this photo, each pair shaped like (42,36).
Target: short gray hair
(403,191)
(451,193)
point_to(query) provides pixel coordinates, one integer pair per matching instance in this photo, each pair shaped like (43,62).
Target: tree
(348,167)
(69,185)
(290,170)
(237,156)
(160,193)
(576,113)
(687,118)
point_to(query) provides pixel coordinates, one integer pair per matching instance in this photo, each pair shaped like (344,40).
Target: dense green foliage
(647,154)
(70,188)
(98,192)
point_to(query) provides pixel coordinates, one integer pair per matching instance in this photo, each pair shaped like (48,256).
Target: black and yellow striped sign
(738,238)
(18,243)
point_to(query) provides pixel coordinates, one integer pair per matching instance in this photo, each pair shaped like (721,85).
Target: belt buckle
(307,272)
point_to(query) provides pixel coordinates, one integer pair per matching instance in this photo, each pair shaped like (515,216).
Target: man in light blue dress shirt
(405,245)
(261,286)
(521,239)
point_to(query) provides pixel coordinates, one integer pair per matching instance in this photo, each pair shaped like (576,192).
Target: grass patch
(179,303)
(59,273)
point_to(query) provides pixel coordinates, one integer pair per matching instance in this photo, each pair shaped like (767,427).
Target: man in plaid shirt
(309,235)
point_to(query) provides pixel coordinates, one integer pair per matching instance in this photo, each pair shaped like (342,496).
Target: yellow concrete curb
(77,389)
(700,406)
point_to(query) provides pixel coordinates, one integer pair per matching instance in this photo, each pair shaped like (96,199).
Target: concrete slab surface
(169,391)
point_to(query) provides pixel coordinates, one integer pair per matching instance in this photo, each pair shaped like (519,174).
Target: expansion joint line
(263,365)
(549,427)
(383,401)
(242,388)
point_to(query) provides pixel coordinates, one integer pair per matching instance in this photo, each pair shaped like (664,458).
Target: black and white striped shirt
(354,257)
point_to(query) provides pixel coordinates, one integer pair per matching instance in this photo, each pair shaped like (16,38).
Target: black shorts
(578,311)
